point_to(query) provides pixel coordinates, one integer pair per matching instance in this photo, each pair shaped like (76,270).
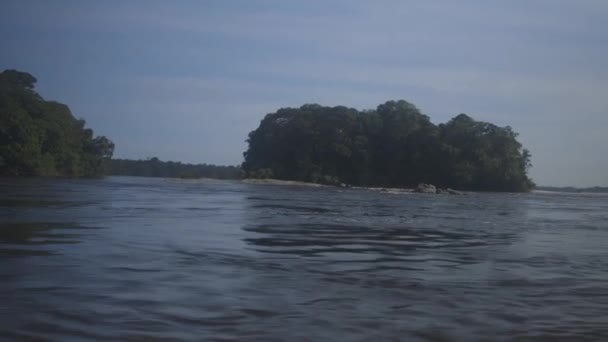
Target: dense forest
(394,145)
(42,138)
(155,168)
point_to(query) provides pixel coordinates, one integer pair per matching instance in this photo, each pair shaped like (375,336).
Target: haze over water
(142,258)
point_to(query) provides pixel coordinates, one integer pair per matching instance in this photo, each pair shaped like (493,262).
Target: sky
(188,80)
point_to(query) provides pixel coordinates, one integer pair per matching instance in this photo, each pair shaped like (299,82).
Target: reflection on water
(30,238)
(314,239)
(141,259)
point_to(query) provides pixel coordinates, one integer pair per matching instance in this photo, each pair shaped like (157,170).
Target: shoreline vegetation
(421,188)
(392,148)
(43,138)
(153,167)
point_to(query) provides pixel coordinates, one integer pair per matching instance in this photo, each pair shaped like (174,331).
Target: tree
(394,145)
(42,138)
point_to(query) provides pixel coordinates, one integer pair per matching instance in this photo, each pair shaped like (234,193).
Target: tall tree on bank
(393,145)
(42,138)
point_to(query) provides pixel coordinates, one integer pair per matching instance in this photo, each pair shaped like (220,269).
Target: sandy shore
(270,181)
(298,183)
(395,191)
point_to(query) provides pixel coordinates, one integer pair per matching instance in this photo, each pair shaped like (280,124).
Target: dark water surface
(155,259)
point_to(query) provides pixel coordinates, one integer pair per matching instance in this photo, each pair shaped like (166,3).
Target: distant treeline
(394,145)
(153,167)
(42,138)
(573,189)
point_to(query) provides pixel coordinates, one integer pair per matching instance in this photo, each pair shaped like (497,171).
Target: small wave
(293,207)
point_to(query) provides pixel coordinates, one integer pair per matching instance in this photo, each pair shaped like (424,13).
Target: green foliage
(394,145)
(261,173)
(153,167)
(42,138)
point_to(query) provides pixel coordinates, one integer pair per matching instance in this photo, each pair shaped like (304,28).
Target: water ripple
(143,260)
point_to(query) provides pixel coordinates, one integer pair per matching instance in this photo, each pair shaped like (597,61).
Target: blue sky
(187,80)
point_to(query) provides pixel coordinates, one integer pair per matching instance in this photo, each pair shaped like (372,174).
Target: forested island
(394,145)
(42,138)
(153,167)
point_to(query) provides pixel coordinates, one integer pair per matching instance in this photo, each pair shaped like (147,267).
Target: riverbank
(272,181)
(423,188)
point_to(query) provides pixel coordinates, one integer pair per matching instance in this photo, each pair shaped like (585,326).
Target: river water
(158,259)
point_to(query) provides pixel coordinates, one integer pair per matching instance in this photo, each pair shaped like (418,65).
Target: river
(159,259)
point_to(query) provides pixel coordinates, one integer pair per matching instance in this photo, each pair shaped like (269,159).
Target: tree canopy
(394,145)
(42,138)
